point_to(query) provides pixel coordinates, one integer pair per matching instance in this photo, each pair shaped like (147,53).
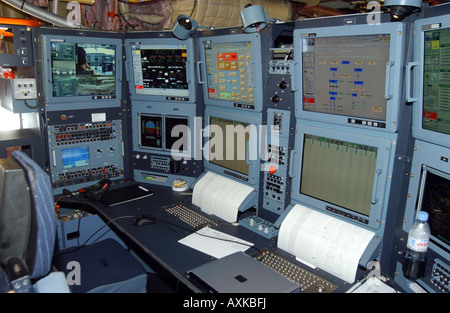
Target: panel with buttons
(24,88)
(440,276)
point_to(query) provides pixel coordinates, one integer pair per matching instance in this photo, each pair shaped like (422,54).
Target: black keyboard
(190,216)
(308,281)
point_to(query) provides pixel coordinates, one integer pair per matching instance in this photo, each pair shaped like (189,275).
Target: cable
(193,8)
(62,252)
(204,235)
(30,106)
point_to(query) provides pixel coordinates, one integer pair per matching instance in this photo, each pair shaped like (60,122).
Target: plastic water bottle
(416,247)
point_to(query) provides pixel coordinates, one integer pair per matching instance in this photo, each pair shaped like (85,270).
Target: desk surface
(158,243)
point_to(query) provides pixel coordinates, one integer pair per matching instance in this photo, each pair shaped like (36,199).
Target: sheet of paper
(324,241)
(219,195)
(374,285)
(215,243)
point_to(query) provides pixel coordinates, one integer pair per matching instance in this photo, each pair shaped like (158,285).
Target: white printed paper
(324,241)
(220,196)
(215,243)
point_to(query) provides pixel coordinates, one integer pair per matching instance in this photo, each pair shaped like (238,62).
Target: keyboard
(308,281)
(190,216)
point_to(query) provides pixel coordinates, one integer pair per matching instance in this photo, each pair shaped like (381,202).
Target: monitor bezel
(256,67)
(418,132)
(163,148)
(432,158)
(396,30)
(254,165)
(80,102)
(190,68)
(381,183)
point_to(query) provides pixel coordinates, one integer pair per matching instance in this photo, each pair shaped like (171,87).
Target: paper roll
(320,240)
(220,196)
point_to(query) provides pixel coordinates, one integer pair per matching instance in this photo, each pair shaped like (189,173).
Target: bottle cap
(422,216)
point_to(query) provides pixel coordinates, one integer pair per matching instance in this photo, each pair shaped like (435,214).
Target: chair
(28,236)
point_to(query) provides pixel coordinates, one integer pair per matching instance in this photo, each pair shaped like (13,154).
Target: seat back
(15,213)
(42,227)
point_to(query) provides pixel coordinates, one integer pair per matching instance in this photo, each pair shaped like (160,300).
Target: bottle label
(418,245)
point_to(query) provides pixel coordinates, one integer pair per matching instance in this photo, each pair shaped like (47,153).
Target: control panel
(85,152)
(152,167)
(18,95)
(21,55)
(280,119)
(276,183)
(440,276)
(259,226)
(280,67)
(24,88)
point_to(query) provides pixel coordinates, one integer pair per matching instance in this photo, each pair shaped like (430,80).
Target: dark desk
(158,243)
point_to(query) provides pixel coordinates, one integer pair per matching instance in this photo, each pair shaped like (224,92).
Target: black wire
(204,235)
(69,250)
(30,106)
(193,8)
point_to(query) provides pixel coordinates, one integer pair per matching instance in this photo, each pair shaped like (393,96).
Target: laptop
(240,273)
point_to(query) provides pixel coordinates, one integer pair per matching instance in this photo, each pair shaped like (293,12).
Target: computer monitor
(350,75)
(81,71)
(435,199)
(161,69)
(160,132)
(342,172)
(429,191)
(231,71)
(232,144)
(431,86)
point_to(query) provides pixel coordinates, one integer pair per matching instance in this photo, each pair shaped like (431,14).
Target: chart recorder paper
(220,196)
(320,240)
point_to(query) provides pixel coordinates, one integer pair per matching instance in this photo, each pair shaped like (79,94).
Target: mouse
(145,219)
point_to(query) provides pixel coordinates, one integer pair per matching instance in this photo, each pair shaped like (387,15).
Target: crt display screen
(338,172)
(436,80)
(229,144)
(346,75)
(160,70)
(151,131)
(83,70)
(436,201)
(229,71)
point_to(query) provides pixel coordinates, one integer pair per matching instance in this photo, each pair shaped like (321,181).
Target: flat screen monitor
(349,75)
(164,133)
(161,69)
(429,191)
(232,73)
(235,141)
(83,71)
(341,172)
(231,144)
(431,86)
(435,199)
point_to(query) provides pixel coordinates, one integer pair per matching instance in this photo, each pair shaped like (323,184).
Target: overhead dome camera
(184,27)
(254,18)
(402,8)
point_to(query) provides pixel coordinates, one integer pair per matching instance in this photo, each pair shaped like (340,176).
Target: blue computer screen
(75,157)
